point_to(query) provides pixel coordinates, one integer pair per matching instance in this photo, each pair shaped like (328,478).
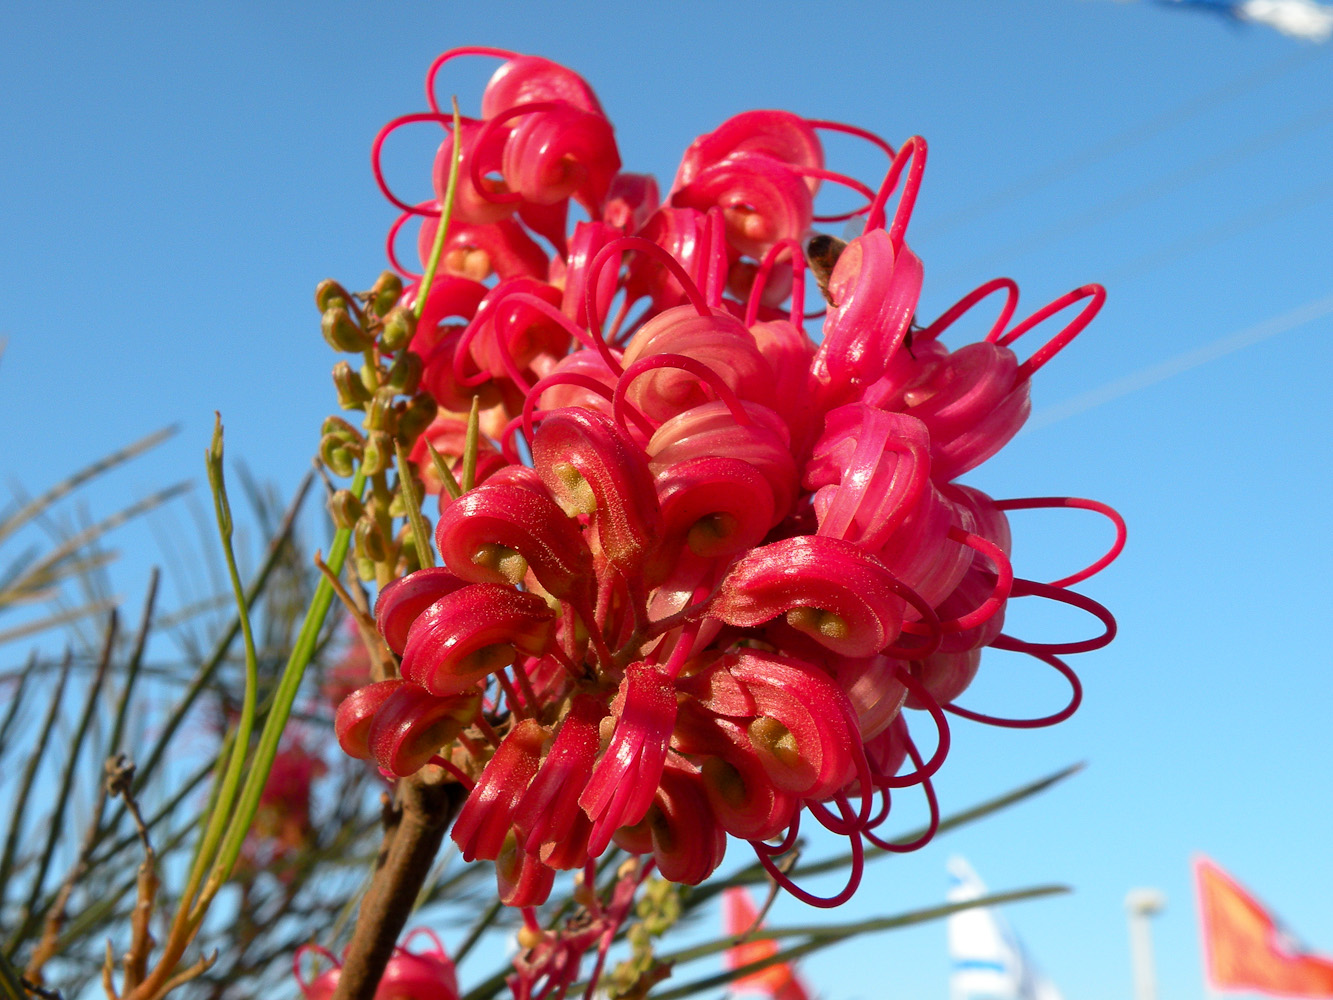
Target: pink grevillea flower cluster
(409,975)
(711,557)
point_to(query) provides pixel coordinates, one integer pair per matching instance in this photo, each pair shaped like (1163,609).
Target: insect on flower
(821,254)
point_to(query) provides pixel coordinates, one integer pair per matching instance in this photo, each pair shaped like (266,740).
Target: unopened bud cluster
(385,386)
(710,558)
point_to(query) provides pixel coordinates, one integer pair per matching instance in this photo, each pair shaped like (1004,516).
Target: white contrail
(1182,363)
(1136,135)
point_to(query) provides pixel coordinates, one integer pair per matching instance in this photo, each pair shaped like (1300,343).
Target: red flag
(1244,947)
(778,982)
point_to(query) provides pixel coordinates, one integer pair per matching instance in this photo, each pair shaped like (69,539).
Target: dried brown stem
(49,944)
(383,664)
(56,916)
(359,613)
(38,990)
(120,778)
(108,972)
(194,971)
(414,828)
(355,601)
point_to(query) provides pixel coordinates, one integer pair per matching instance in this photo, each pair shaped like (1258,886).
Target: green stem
(29,775)
(471,444)
(15,700)
(823,936)
(446,216)
(283,698)
(407,484)
(221,812)
(11,985)
(445,473)
(204,675)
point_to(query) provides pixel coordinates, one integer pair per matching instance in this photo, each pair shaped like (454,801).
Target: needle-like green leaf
(34,508)
(824,935)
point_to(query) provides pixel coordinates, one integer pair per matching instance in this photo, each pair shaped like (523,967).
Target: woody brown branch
(414,829)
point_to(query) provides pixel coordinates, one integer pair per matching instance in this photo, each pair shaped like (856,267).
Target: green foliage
(69,854)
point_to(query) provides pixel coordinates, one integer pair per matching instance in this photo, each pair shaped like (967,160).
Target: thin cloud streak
(1182,363)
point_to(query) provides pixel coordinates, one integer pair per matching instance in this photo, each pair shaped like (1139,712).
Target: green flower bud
(378,456)
(341,333)
(405,375)
(352,394)
(370,377)
(340,428)
(399,326)
(388,288)
(345,509)
(365,568)
(369,541)
(415,417)
(329,294)
(380,416)
(339,455)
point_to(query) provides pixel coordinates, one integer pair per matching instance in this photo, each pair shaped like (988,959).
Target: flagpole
(1141,905)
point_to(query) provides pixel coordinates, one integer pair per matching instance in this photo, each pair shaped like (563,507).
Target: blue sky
(178,177)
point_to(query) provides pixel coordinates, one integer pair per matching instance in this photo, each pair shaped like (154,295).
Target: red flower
(739,550)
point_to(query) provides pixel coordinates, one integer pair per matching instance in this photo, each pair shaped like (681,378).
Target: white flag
(988,961)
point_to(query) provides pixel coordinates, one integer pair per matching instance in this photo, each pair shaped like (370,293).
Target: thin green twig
(30,915)
(445,473)
(16,699)
(408,487)
(209,667)
(36,506)
(220,812)
(134,665)
(825,935)
(471,444)
(446,216)
(30,774)
(283,697)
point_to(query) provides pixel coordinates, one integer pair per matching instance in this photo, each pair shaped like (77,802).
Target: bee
(821,253)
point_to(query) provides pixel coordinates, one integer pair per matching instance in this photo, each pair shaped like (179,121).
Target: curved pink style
(592,467)
(842,597)
(471,633)
(411,725)
(479,534)
(402,601)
